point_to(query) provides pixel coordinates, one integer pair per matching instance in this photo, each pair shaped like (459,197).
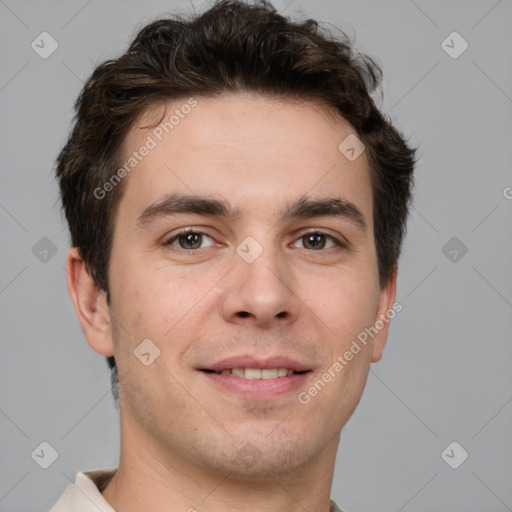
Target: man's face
(275,286)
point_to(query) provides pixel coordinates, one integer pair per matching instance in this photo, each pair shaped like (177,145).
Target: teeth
(269,373)
(252,373)
(282,372)
(257,373)
(239,372)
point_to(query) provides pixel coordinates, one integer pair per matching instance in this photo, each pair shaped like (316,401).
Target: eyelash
(340,245)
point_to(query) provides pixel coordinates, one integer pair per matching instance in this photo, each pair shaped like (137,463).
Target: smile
(257,373)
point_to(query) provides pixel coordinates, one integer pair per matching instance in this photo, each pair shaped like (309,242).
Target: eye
(316,241)
(189,240)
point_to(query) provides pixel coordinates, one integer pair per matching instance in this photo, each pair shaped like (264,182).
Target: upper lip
(249,361)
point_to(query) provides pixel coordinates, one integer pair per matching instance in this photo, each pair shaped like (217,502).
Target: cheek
(168,308)
(149,309)
(151,296)
(345,304)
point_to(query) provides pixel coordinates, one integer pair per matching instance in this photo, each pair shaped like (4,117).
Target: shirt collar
(84,494)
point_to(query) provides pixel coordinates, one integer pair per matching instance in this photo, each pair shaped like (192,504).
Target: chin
(260,457)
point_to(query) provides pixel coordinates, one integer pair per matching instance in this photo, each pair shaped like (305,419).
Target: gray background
(446,372)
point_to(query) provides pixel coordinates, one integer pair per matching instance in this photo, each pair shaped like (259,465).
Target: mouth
(254,378)
(257,373)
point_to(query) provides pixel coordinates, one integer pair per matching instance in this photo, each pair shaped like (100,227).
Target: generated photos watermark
(304,397)
(152,140)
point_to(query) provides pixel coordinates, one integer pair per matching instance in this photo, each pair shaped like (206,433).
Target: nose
(259,293)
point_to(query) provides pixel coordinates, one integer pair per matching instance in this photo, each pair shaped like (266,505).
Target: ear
(386,311)
(90,304)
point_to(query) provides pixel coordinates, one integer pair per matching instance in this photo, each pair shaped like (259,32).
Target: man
(236,205)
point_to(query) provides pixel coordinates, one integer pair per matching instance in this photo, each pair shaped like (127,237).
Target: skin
(182,438)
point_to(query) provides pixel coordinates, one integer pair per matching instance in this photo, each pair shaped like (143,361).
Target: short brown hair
(233,47)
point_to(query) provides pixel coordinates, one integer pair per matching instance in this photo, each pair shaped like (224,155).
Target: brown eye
(316,241)
(189,240)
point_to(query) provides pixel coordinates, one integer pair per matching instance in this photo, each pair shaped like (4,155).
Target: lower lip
(262,389)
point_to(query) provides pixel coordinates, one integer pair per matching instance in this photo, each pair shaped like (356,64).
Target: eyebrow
(304,207)
(175,204)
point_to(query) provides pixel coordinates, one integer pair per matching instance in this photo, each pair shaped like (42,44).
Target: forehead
(251,150)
